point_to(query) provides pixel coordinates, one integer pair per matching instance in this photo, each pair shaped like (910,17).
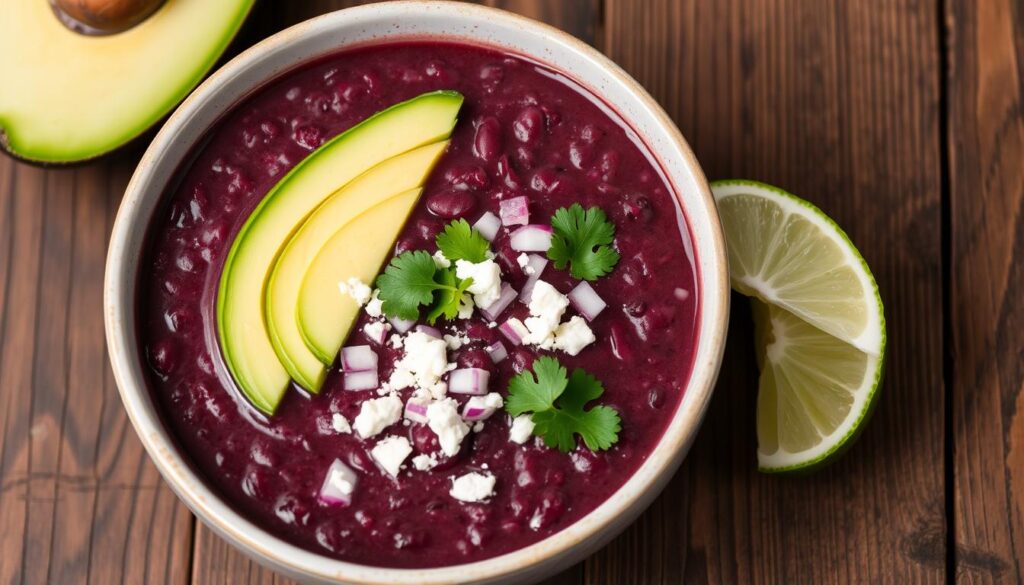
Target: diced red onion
(515,211)
(681,294)
(428,330)
(361,380)
(488,225)
(477,409)
(514,330)
(468,381)
(497,351)
(508,294)
(333,494)
(538,264)
(400,325)
(531,238)
(585,299)
(416,410)
(378,337)
(358,358)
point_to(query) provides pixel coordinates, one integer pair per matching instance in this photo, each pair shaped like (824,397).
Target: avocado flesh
(66,97)
(391,177)
(244,339)
(357,251)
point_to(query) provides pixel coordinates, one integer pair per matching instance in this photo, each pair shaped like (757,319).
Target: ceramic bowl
(379,23)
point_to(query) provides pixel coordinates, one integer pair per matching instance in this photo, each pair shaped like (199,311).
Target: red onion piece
(585,299)
(474,412)
(515,211)
(358,358)
(514,330)
(339,484)
(428,330)
(508,294)
(497,351)
(361,380)
(416,410)
(531,238)
(538,264)
(488,226)
(468,381)
(400,325)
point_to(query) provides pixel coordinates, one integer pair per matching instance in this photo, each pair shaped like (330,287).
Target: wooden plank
(986,152)
(72,472)
(214,561)
(838,102)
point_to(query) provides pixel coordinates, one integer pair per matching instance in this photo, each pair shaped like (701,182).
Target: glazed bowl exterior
(400,21)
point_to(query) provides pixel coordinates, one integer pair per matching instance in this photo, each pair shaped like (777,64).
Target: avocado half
(67,97)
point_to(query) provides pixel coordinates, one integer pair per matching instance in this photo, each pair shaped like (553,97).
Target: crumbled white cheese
(424,462)
(424,362)
(443,418)
(573,335)
(396,341)
(524,263)
(377,414)
(374,307)
(479,426)
(390,452)
(342,479)
(486,275)
(440,261)
(492,324)
(340,424)
(375,330)
(521,429)
(546,308)
(456,341)
(356,289)
(466,306)
(472,487)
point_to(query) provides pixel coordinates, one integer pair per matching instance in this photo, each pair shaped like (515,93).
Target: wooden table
(902,119)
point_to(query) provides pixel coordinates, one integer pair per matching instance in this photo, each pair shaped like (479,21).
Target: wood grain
(986,154)
(837,102)
(79,500)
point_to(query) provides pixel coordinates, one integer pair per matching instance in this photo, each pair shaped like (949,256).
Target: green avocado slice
(244,337)
(67,97)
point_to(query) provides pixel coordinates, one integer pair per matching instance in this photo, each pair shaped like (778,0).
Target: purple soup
(524,130)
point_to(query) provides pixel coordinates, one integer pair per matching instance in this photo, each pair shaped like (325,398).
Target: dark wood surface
(903,119)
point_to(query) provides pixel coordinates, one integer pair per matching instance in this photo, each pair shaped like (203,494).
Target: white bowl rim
(561,548)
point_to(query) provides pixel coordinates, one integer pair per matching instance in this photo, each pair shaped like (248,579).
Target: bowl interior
(394,22)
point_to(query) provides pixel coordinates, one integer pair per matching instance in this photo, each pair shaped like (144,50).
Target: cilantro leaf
(407,283)
(529,395)
(459,241)
(446,300)
(582,239)
(558,402)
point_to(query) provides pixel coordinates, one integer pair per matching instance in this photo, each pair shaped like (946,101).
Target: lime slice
(820,328)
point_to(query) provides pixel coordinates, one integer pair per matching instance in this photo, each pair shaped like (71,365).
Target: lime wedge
(820,328)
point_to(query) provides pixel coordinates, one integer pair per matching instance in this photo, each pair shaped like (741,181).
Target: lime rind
(872,341)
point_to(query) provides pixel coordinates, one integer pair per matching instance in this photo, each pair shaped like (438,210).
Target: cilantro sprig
(582,240)
(459,241)
(557,402)
(413,280)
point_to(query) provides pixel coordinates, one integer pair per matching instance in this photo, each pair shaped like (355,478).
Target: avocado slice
(358,250)
(67,97)
(244,339)
(391,177)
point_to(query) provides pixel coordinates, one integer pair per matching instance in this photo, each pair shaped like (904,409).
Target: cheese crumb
(440,261)
(375,306)
(424,462)
(390,452)
(486,275)
(377,414)
(456,341)
(396,341)
(356,289)
(376,330)
(340,424)
(443,418)
(547,306)
(573,335)
(521,429)
(524,263)
(424,362)
(472,487)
